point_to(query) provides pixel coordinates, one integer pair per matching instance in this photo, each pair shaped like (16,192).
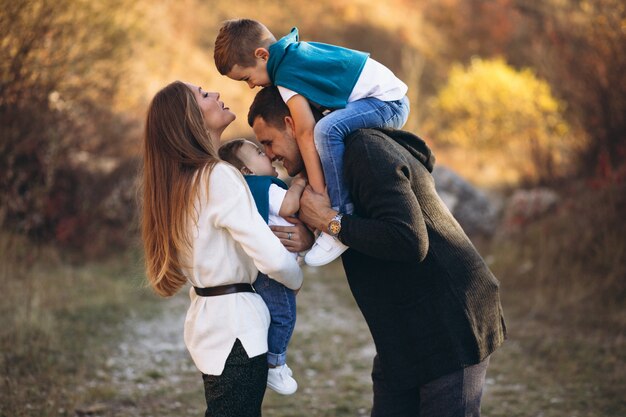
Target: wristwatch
(334,227)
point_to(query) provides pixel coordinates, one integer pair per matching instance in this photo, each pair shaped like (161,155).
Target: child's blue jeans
(330,133)
(281,302)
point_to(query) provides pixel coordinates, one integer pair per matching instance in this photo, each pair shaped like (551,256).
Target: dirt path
(148,372)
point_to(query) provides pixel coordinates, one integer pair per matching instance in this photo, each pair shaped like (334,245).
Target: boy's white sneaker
(325,250)
(280,381)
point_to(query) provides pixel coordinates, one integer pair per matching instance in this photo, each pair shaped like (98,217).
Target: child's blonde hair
(236,42)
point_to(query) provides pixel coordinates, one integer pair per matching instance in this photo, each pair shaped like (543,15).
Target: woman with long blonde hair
(200,225)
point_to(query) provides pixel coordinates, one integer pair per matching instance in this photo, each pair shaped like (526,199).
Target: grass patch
(58,320)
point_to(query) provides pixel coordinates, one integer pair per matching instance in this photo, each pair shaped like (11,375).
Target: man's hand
(296,238)
(315,209)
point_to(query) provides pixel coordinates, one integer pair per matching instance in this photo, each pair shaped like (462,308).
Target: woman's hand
(296,238)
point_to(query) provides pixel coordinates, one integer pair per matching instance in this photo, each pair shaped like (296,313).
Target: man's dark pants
(454,395)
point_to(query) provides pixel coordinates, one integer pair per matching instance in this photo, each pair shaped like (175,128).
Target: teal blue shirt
(325,74)
(259,187)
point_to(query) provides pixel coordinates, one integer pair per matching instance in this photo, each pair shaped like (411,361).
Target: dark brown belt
(223,290)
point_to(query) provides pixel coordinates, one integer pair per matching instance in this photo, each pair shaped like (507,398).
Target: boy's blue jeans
(281,302)
(330,133)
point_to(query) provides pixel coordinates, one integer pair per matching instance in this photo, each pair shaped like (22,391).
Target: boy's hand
(296,238)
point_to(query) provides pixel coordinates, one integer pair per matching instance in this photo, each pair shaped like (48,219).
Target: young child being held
(357,91)
(274,201)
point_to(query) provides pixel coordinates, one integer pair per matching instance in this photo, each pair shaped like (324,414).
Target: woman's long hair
(177,152)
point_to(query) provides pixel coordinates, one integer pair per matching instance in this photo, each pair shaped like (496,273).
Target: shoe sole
(281,392)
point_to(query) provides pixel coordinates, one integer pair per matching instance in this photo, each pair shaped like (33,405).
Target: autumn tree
(577,46)
(505,120)
(61,63)
(580,47)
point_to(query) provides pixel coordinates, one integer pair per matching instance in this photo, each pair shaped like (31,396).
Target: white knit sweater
(231,243)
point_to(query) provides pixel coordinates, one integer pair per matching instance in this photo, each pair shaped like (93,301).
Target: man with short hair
(429,299)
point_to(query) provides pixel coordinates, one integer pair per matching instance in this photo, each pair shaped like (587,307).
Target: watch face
(334,227)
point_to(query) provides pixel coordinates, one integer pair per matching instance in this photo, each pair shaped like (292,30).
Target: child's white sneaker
(288,370)
(280,380)
(325,250)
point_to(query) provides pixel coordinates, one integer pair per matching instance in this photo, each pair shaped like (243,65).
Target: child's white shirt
(276,196)
(376,80)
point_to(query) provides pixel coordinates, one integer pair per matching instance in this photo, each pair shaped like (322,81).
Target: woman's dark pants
(239,391)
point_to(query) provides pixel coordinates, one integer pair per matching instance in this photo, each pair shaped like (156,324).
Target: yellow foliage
(507,116)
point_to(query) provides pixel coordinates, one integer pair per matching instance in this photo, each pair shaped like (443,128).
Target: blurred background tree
(61,64)
(506,124)
(577,46)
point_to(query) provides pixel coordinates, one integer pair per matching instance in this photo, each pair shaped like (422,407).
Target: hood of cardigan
(413,144)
